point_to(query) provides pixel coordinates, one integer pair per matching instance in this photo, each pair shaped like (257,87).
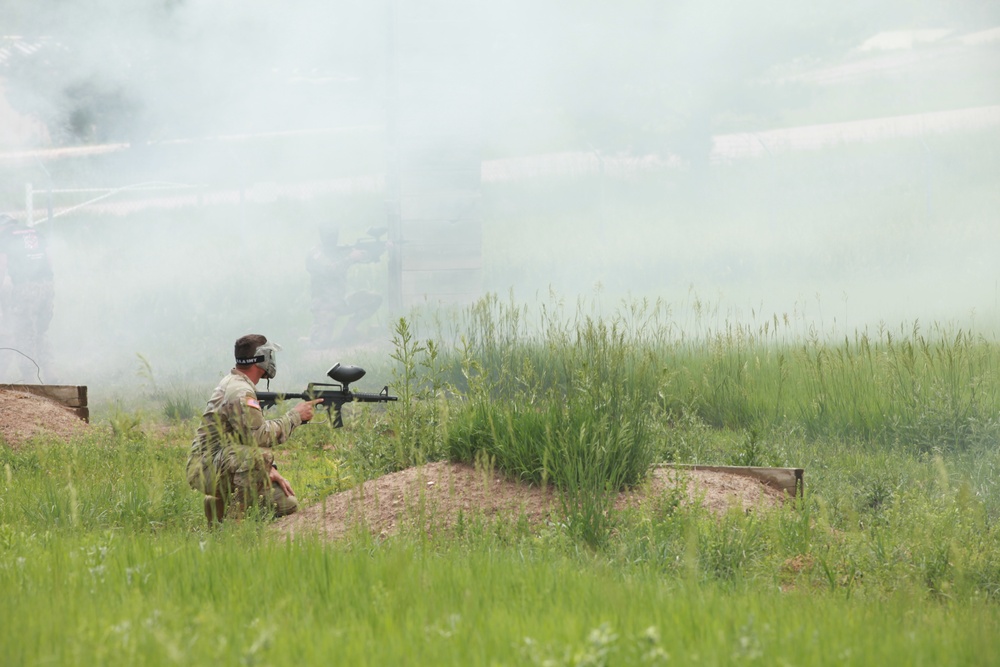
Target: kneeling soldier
(231,461)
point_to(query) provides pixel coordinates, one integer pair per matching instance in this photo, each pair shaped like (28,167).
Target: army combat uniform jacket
(232,447)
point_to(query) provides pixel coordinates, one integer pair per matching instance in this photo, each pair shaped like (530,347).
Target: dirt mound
(435,494)
(24,416)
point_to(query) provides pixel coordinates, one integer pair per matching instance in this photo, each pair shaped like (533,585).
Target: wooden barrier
(73,397)
(789,480)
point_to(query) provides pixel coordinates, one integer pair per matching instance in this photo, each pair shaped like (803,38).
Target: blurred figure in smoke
(26,295)
(328,264)
(231,461)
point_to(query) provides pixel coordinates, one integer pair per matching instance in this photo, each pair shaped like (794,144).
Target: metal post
(29,204)
(928,178)
(49,199)
(392,172)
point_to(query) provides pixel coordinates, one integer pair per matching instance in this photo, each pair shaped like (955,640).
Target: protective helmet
(329,235)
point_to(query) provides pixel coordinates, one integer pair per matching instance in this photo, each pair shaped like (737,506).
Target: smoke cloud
(831,165)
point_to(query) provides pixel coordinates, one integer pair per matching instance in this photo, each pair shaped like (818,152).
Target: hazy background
(832,162)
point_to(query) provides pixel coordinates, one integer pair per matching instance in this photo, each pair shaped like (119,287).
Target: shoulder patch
(252,402)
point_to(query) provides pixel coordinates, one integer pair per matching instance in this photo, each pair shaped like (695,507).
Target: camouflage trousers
(238,476)
(27,313)
(347,313)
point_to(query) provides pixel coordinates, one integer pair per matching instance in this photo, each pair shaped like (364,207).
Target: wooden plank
(456,119)
(438,207)
(438,150)
(468,232)
(430,57)
(428,66)
(456,299)
(460,180)
(446,95)
(441,257)
(442,282)
(71,396)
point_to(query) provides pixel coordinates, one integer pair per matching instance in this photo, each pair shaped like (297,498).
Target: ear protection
(263,358)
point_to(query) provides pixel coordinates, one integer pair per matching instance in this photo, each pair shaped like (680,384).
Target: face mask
(264,359)
(265,354)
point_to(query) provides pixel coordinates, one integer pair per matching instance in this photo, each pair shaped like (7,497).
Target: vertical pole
(48,200)
(392,172)
(928,179)
(29,204)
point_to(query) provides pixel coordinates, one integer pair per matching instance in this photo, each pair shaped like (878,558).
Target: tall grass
(925,390)
(99,482)
(588,402)
(571,406)
(893,556)
(233,598)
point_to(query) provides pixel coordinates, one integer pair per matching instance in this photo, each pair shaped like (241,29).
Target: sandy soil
(24,415)
(436,494)
(433,495)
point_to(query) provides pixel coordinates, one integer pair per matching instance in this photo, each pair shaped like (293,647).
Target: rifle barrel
(363,397)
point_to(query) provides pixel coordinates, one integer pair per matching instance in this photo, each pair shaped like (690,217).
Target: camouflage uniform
(231,453)
(331,303)
(27,300)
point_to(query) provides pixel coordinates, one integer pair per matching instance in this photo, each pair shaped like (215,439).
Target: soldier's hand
(306,409)
(274,476)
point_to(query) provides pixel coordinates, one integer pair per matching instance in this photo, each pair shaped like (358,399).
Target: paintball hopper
(345,374)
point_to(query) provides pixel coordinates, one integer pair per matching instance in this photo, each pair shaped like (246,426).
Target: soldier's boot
(281,504)
(215,510)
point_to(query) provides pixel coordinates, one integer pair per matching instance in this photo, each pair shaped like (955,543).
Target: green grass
(230,599)
(921,388)
(892,556)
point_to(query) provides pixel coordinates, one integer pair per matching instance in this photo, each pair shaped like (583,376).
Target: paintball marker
(374,245)
(334,394)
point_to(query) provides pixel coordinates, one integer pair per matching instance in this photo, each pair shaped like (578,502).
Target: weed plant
(926,391)
(101,538)
(211,599)
(421,420)
(571,407)
(893,555)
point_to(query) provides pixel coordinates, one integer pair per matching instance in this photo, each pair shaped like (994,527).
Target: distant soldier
(328,264)
(231,461)
(26,272)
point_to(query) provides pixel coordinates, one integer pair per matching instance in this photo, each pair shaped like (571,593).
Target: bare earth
(24,415)
(434,495)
